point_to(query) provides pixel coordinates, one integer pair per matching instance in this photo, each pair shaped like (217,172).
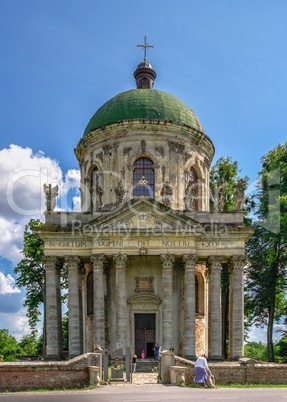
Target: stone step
(147,366)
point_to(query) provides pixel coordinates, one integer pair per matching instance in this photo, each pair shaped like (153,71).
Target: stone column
(236,307)
(53,309)
(99,301)
(214,307)
(75,304)
(167,272)
(189,311)
(121,300)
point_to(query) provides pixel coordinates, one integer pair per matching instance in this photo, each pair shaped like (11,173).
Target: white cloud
(7,284)
(22,176)
(260,334)
(17,323)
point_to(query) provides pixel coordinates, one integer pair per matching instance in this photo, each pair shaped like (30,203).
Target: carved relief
(163,173)
(97,197)
(167,260)
(120,261)
(115,146)
(143,146)
(127,150)
(160,150)
(175,146)
(107,149)
(190,195)
(144,284)
(166,193)
(100,156)
(120,193)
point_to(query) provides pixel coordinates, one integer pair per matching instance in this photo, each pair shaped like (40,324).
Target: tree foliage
(266,273)
(256,350)
(9,347)
(31,273)
(30,345)
(224,182)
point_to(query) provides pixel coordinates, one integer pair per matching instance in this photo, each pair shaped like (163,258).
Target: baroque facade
(144,255)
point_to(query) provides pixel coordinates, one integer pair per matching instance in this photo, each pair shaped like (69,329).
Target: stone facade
(144,255)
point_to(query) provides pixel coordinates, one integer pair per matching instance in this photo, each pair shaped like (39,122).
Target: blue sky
(61,60)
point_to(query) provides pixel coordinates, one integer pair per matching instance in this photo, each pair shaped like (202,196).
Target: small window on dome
(143,180)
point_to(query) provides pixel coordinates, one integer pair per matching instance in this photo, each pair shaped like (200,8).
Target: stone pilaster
(75,304)
(189,311)
(214,308)
(53,308)
(121,300)
(99,304)
(167,273)
(236,307)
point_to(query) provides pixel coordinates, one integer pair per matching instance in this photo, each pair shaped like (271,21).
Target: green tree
(9,347)
(224,183)
(29,345)
(65,331)
(31,273)
(266,273)
(280,350)
(256,350)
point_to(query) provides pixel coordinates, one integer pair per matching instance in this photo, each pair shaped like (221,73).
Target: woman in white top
(201,370)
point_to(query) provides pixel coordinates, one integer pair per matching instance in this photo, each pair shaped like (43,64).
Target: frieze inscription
(217,244)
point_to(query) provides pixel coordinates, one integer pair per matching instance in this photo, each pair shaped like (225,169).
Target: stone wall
(20,376)
(245,371)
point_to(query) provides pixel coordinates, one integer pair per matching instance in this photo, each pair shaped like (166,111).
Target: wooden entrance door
(144,334)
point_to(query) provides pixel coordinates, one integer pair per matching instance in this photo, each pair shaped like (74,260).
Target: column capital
(189,260)
(237,262)
(98,260)
(50,262)
(72,259)
(167,260)
(214,262)
(120,261)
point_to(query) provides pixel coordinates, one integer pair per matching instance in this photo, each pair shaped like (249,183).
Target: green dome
(143,104)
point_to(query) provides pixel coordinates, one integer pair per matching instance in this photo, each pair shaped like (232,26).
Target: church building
(144,255)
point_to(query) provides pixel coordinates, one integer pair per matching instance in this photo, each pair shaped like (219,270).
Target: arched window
(90,294)
(143,180)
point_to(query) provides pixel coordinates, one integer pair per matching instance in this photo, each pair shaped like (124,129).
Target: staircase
(147,366)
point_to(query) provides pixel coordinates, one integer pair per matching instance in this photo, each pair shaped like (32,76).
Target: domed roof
(148,104)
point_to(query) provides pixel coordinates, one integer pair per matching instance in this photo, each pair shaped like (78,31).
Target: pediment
(142,214)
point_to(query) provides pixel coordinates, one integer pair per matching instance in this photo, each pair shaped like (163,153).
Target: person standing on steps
(156,352)
(134,360)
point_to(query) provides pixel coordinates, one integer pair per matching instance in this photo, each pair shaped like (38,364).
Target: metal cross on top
(145,47)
